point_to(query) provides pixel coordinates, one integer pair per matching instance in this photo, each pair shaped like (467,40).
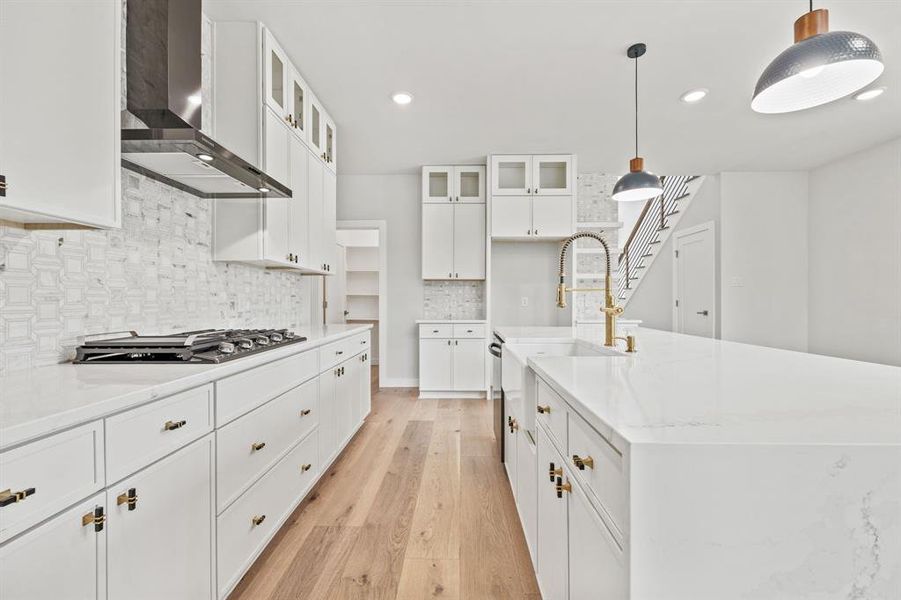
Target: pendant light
(637,184)
(820,67)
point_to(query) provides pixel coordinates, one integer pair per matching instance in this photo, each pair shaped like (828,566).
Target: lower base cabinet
(160,528)
(552,543)
(74,549)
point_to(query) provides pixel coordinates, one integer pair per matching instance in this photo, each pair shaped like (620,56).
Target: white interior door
(469,241)
(694,280)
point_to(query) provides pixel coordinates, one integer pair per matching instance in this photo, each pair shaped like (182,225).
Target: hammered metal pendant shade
(818,68)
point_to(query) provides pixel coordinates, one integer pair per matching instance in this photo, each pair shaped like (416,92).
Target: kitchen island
(698,468)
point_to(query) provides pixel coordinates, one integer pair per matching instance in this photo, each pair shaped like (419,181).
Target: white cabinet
(60,112)
(275,76)
(329,217)
(330,141)
(453,362)
(314,131)
(365,396)
(597,567)
(527,486)
(511,216)
(511,175)
(299,103)
(525,175)
(532,196)
(552,175)
(160,528)
(453,222)
(346,404)
(299,207)
(63,558)
(511,448)
(552,542)
(328,434)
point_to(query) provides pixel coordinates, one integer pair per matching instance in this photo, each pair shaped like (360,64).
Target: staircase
(656,222)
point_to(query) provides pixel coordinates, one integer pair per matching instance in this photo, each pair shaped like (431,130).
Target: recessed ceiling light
(205,157)
(402,98)
(263,190)
(692,96)
(870,94)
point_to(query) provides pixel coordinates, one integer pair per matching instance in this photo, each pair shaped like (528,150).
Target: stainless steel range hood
(163,72)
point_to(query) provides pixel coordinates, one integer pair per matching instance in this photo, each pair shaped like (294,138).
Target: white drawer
(552,413)
(360,343)
(140,436)
(471,330)
(436,330)
(605,480)
(334,353)
(62,469)
(247,447)
(239,539)
(245,391)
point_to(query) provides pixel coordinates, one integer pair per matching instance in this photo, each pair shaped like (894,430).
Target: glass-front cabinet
(329,140)
(469,184)
(275,77)
(552,175)
(299,104)
(314,128)
(437,184)
(511,175)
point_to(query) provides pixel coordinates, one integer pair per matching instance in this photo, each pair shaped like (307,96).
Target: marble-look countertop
(686,389)
(40,401)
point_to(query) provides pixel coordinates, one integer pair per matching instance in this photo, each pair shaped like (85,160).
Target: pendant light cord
(636,106)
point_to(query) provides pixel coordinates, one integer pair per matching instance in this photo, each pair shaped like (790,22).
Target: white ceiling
(552,76)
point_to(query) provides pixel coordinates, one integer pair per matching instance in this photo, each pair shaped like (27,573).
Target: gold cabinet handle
(95,518)
(130,498)
(258,446)
(544,409)
(563,487)
(258,520)
(172,425)
(305,412)
(554,472)
(306,467)
(581,463)
(8,497)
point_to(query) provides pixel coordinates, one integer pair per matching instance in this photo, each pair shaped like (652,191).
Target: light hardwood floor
(418,506)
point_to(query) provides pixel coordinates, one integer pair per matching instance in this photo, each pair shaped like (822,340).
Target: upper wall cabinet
(461,183)
(60,85)
(329,141)
(524,175)
(276,74)
(300,103)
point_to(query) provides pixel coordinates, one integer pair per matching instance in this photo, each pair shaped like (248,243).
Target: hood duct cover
(163,72)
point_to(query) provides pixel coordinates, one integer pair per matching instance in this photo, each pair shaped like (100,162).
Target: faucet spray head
(561,295)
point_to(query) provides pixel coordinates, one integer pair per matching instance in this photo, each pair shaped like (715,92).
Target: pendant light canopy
(820,67)
(637,184)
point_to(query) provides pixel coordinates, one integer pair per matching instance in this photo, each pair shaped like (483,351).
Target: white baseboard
(440,395)
(399,382)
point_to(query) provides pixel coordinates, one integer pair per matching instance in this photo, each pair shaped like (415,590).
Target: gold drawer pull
(130,497)
(258,520)
(305,468)
(544,410)
(171,425)
(9,497)
(305,412)
(258,446)
(581,463)
(563,487)
(95,518)
(554,472)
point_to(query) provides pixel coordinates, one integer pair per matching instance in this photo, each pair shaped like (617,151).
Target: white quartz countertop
(685,389)
(36,402)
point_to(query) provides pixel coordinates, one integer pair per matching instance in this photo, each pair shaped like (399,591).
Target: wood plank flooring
(417,506)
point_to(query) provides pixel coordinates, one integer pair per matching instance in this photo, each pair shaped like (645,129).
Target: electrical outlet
(524,301)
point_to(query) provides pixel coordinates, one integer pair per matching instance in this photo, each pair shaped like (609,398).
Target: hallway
(418,506)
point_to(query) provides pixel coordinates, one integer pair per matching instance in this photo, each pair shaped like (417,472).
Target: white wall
(396,200)
(855,256)
(764,258)
(527,270)
(652,302)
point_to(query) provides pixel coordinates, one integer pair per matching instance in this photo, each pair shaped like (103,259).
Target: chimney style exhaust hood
(163,72)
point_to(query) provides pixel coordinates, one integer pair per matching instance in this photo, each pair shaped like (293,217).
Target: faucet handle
(613,311)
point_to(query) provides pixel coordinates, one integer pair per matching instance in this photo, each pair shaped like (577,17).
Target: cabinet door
(365,386)
(160,546)
(298,103)
(438,241)
(329,217)
(435,362)
(298,205)
(511,448)
(511,216)
(437,184)
(552,543)
(552,216)
(276,234)
(597,567)
(316,212)
(469,365)
(527,476)
(275,77)
(328,444)
(552,175)
(346,388)
(63,558)
(469,241)
(511,175)
(469,184)
(60,88)
(330,141)
(277,147)
(314,128)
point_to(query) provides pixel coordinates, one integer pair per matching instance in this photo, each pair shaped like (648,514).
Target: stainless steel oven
(495,348)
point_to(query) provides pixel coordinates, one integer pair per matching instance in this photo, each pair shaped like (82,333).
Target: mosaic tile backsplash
(154,275)
(453,300)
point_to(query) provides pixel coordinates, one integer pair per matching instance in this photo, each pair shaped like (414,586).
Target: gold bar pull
(563,487)
(130,497)
(258,446)
(544,409)
(258,520)
(95,518)
(305,468)
(8,497)
(171,425)
(554,472)
(581,463)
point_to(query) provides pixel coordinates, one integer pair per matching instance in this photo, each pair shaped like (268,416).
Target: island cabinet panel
(552,414)
(552,541)
(50,473)
(74,549)
(160,528)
